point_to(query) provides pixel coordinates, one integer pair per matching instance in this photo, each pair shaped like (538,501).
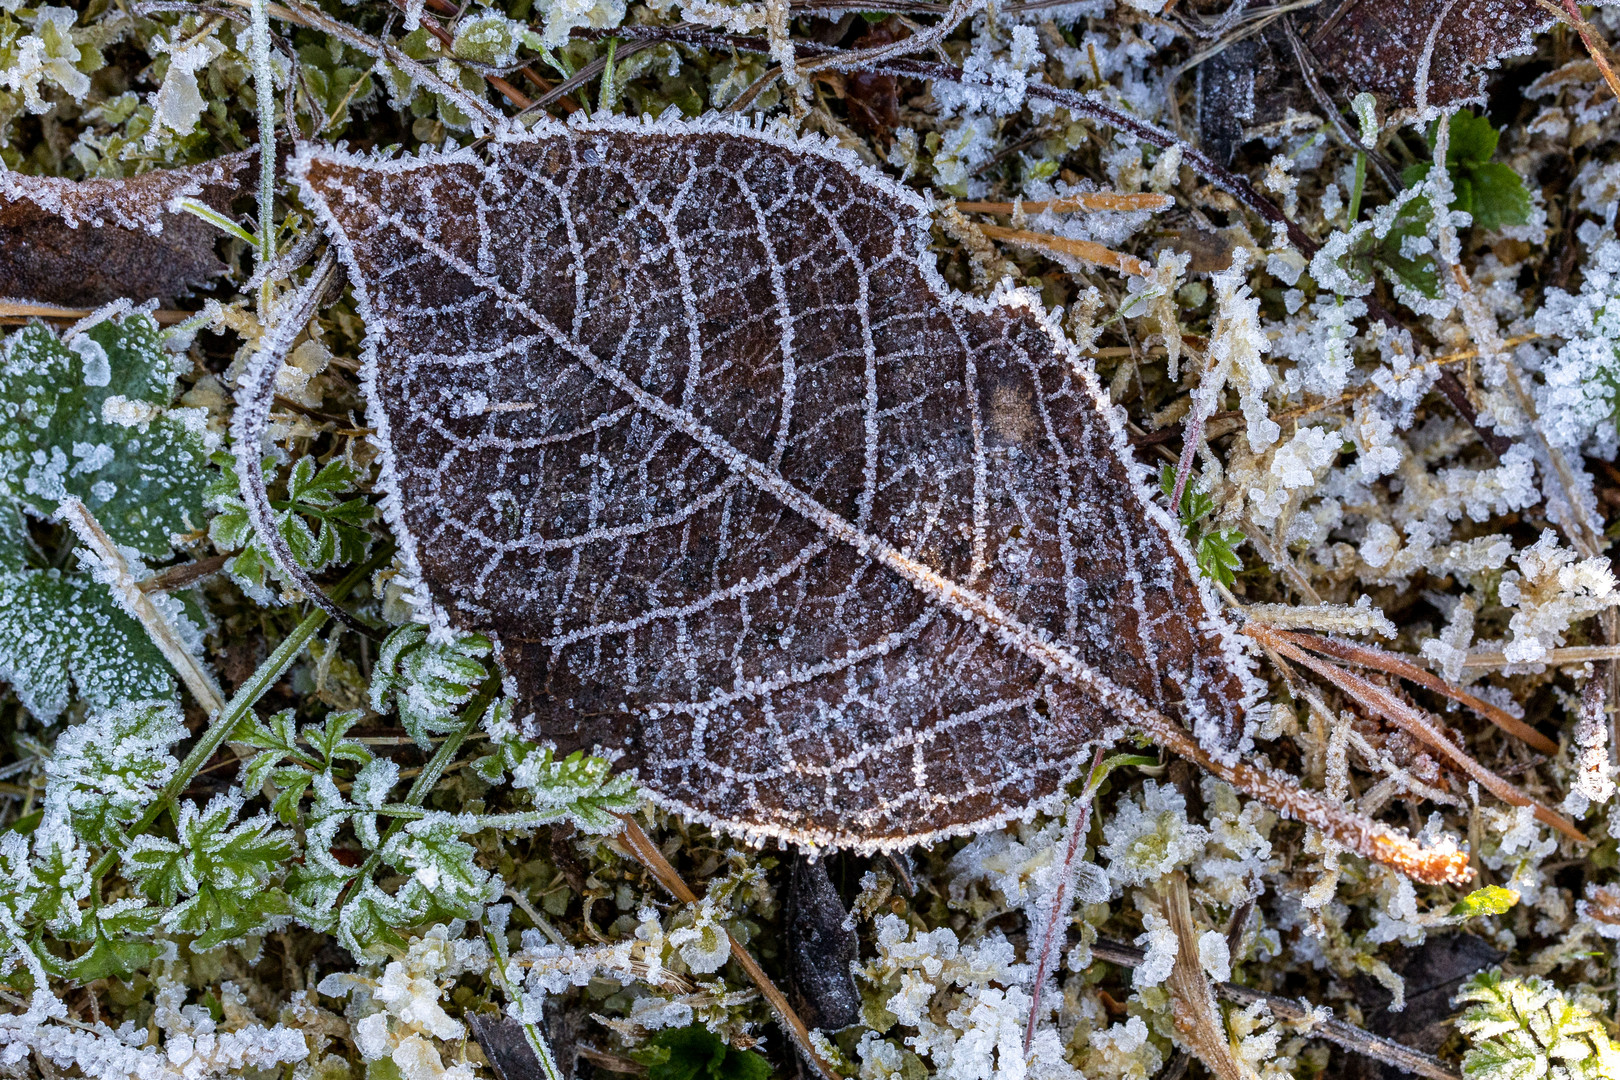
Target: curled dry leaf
(85,243)
(683,415)
(1423,54)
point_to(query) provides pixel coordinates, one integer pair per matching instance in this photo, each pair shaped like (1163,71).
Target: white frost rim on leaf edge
(1005,296)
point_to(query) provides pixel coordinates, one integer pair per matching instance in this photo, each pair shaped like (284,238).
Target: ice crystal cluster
(1264,357)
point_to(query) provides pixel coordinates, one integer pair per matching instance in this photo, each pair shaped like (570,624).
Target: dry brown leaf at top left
(81,244)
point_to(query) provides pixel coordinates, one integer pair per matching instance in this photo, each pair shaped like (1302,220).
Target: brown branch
(647,853)
(1394,664)
(1415,723)
(178,577)
(1355,832)
(1369,388)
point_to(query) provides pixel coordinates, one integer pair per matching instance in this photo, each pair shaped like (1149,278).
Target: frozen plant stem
(1052,935)
(431,772)
(264,91)
(130,596)
(254,395)
(531,1032)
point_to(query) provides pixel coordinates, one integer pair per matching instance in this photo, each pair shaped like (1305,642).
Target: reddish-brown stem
(1353,831)
(1052,934)
(1394,664)
(1593,47)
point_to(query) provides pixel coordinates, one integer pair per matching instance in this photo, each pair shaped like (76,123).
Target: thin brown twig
(1085,250)
(647,853)
(1415,723)
(1081,200)
(187,573)
(1394,664)
(1355,832)
(1571,14)
(1192,1005)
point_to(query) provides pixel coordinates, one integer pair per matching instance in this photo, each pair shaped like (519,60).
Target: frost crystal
(1550,590)
(1148,838)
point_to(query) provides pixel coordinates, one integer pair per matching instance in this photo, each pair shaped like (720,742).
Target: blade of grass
(648,854)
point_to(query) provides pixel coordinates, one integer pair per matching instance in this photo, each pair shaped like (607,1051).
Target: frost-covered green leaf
(1526,1029)
(62,632)
(91,417)
(214,880)
(19,890)
(441,864)
(577,788)
(314,494)
(107,770)
(120,937)
(1490,191)
(1214,549)
(428,680)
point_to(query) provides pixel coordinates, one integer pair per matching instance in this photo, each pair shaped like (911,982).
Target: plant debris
(487,488)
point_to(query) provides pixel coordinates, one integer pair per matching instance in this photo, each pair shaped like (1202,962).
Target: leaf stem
(432,771)
(1355,189)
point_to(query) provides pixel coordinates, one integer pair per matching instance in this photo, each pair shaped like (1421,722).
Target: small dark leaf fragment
(85,243)
(821,947)
(1422,53)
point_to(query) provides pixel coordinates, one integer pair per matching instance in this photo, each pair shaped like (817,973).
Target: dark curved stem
(253,399)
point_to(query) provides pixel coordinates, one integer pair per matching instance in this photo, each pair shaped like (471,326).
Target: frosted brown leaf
(84,243)
(1424,54)
(684,417)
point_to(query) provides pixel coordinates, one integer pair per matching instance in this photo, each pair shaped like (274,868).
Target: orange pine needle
(1084,250)
(1084,200)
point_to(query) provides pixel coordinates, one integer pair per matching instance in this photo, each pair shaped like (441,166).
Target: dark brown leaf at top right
(749,498)
(85,243)
(1421,53)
